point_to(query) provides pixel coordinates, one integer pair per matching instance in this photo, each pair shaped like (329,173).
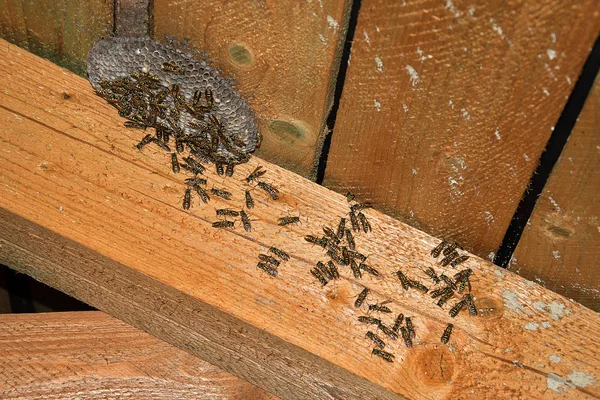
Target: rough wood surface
(448,105)
(83,210)
(284,56)
(560,246)
(132,18)
(63,31)
(92,355)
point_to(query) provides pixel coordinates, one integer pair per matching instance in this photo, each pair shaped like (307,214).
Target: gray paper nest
(119,57)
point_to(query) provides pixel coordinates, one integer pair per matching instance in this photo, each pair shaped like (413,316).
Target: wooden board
(560,246)
(91,355)
(84,211)
(448,105)
(284,56)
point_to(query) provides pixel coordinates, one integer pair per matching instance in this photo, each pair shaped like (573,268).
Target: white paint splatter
(489,218)
(568,79)
(554,358)
(414,76)
(554,204)
(531,326)
(452,8)
(546,92)
(377,29)
(465,114)
(546,325)
(556,383)
(526,157)
(60,208)
(405,107)
(580,379)
(377,105)
(557,310)
(497,133)
(414,171)
(511,301)
(551,54)
(491,256)
(451,104)
(379,64)
(367,39)
(556,254)
(421,55)
(496,28)
(325,42)
(332,23)
(471,11)
(553,37)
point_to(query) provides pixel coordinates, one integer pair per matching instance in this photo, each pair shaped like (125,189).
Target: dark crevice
(339,87)
(151,18)
(115,8)
(551,154)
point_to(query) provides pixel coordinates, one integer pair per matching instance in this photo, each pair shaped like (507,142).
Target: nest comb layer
(119,57)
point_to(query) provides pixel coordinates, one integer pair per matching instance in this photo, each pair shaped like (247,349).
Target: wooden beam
(560,246)
(92,355)
(84,211)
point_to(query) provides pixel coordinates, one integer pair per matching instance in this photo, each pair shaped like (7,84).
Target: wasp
(334,255)
(147,139)
(448,281)
(161,145)
(462,274)
(446,260)
(376,339)
(210,100)
(287,220)
(349,196)
(324,270)
(403,280)
(363,221)
(269,259)
(271,190)
(458,260)
(317,274)
(227,212)
(354,221)
(389,357)
(419,286)
(431,273)
(410,327)
(445,297)
(246,221)
(179,145)
(356,255)
(187,199)
(268,269)
(135,125)
(451,248)
(369,269)
(361,206)
(195,181)
(174,163)
(316,240)
(464,282)
(406,337)
(345,256)
(229,170)
(341,228)
(398,322)
(381,307)
(470,305)
(360,299)
(447,333)
(365,319)
(202,193)
(334,271)
(355,269)
(387,331)
(220,170)
(350,239)
(438,249)
(249,200)
(441,291)
(166,136)
(257,173)
(331,235)
(221,193)
(280,253)
(223,224)
(457,307)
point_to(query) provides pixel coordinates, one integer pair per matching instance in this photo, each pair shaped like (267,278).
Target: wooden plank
(83,211)
(560,246)
(284,56)
(91,355)
(448,105)
(63,31)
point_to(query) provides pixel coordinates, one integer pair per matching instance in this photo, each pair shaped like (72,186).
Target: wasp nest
(173,88)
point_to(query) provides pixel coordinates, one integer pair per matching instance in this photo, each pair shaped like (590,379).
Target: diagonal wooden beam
(92,355)
(84,211)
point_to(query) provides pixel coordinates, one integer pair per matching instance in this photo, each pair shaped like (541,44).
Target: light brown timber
(63,31)
(284,56)
(448,105)
(92,355)
(560,246)
(84,211)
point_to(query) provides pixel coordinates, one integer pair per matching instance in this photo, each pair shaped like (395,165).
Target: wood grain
(447,107)
(63,31)
(92,355)
(284,56)
(560,246)
(83,211)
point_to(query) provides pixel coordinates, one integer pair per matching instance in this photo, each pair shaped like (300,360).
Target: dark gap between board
(549,157)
